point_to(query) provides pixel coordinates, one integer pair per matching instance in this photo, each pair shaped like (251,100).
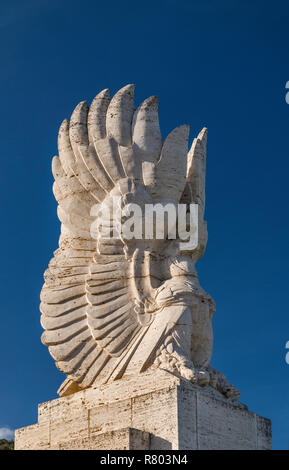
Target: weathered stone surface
(157,412)
(122,439)
(113,305)
(125,317)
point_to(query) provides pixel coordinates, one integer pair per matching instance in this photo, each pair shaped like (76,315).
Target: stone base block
(122,439)
(152,412)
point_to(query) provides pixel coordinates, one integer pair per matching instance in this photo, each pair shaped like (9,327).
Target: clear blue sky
(221,64)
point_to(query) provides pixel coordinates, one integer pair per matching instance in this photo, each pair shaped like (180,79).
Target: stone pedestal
(156,411)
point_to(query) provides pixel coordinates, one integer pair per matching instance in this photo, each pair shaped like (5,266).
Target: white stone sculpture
(114,307)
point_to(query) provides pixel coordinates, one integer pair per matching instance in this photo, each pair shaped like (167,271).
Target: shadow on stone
(158,443)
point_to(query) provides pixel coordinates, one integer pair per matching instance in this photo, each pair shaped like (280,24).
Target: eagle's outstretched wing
(90,293)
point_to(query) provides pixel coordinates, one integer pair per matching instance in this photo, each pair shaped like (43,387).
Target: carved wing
(195,189)
(91,290)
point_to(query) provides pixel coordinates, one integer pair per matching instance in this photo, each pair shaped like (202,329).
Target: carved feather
(88,301)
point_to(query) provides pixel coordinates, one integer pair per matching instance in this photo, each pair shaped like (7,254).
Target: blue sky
(221,64)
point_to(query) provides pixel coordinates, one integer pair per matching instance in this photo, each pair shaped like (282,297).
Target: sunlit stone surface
(127,318)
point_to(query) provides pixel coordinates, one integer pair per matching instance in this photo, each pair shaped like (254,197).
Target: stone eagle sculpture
(113,307)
